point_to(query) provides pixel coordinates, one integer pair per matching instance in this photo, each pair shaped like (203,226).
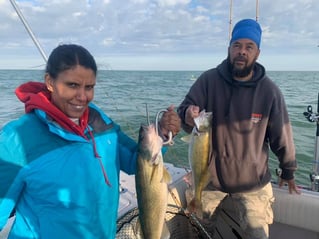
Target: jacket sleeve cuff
(287,174)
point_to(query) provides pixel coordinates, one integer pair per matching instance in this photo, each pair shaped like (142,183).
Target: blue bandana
(247,28)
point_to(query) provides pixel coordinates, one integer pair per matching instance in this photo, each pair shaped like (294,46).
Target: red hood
(35,95)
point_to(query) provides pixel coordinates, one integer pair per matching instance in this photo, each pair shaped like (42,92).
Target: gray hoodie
(248,118)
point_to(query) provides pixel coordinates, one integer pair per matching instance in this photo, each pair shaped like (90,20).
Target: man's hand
(191,113)
(291,185)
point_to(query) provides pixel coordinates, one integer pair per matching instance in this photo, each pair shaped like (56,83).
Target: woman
(60,161)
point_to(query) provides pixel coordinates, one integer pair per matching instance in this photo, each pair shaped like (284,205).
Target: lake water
(123,95)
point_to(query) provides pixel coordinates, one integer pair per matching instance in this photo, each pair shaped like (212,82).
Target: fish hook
(170,134)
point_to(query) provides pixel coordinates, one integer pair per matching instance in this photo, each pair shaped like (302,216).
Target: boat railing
(314,118)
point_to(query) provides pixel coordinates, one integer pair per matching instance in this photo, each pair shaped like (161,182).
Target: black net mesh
(179,225)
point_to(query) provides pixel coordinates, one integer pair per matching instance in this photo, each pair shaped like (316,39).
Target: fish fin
(156,159)
(186,138)
(167,178)
(165,232)
(188,179)
(153,172)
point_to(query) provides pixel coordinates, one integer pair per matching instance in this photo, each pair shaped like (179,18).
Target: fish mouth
(150,141)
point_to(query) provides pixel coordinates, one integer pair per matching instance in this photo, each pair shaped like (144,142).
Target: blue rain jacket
(55,182)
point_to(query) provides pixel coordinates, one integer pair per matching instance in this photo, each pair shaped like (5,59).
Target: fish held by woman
(151,184)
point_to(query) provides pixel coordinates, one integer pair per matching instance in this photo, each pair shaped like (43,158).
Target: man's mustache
(240,58)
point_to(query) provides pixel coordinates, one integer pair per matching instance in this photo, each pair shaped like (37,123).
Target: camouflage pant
(238,215)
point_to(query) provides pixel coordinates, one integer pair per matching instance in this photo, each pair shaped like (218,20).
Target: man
(249,117)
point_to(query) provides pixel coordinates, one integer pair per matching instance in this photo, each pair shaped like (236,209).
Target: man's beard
(240,73)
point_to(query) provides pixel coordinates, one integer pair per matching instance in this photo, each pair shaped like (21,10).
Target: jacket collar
(35,95)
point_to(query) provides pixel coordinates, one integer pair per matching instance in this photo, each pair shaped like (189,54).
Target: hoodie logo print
(255,118)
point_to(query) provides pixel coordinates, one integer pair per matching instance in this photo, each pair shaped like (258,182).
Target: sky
(159,34)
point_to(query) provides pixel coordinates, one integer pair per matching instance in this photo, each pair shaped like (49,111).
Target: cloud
(156,28)
(165,3)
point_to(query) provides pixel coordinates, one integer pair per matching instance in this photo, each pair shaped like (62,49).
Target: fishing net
(179,225)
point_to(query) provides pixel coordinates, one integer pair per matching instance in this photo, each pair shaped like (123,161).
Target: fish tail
(195,207)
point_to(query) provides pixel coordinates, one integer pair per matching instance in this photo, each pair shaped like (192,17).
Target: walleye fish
(151,184)
(198,156)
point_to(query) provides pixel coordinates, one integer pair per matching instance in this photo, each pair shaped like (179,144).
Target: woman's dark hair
(68,56)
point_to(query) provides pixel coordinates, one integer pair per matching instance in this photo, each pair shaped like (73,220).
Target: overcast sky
(159,34)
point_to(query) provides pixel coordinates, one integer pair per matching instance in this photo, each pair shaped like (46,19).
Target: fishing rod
(257,10)
(314,117)
(27,27)
(230,18)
